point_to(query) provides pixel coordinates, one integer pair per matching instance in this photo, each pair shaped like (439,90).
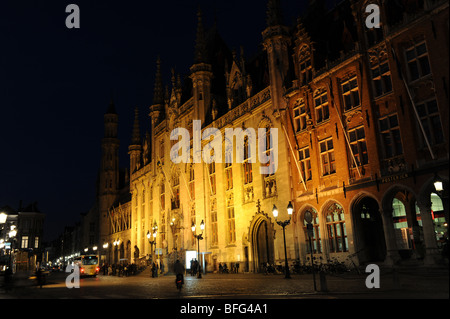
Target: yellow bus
(88,265)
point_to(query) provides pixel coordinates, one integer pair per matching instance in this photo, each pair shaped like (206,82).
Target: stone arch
(261,239)
(368,232)
(433,214)
(303,240)
(334,226)
(401,224)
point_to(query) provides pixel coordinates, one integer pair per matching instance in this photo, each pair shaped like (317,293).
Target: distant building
(26,245)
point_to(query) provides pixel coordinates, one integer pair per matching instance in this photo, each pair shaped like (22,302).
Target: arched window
(191,182)
(437,214)
(305,65)
(316,241)
(248,175)
(176,191)
(337,234)
(400,224)
(163,196)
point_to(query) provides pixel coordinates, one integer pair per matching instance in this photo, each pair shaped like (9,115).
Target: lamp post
(116,247)
(105,263)
(12,235)
(310,230)
(149,236)
(198,237)
(283,224)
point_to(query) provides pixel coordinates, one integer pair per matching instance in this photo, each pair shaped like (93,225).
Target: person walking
(179,270)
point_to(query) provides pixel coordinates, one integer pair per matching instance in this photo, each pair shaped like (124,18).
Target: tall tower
(201,75)
(276,41)
(108,185)
(157,109)
(135,148)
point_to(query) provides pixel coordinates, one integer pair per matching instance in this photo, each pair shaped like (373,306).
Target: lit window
(248,175)
(305,164)
(350,94)
(381,78)
(358,145)
(321,107)
(24,243)
(300,116)
(337,233)
(327,157)
(316,241)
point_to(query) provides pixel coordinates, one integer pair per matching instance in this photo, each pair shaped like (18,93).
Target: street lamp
(438,185)
(198,237)
(283,224)
(310,230)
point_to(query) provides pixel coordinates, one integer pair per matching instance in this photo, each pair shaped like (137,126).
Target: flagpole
(344,132)
(400,70)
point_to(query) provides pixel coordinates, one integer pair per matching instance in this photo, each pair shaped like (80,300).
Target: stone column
(392,255)
(432,256)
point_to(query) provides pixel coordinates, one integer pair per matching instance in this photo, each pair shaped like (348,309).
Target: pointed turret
(135,149)
(274,14)
(200,42)
(201,75)
(276,41)
(108,183)
(158,93)
(157,108)
(136,137)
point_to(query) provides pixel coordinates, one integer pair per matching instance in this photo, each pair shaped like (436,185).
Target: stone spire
(158,94)
(200,42)
(136,137)
(274,15)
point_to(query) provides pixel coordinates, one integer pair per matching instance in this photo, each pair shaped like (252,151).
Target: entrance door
(372,245)
(263,245)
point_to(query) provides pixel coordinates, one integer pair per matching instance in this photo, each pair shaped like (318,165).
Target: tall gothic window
(337,233)
(316,241)
(191,182)
(327,157)
(176,191)
(381,77)
(305,163)
(268,152)
(228,173)
(300,116)
(431,121)
(162,196)
(212,177)
(231,225)
(358,145)
(390,136)
(214,223)
(248,174)
(305,66)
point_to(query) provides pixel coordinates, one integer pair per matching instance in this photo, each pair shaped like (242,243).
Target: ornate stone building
(361,138)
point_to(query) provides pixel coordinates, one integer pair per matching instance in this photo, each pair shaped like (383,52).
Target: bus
(88,265)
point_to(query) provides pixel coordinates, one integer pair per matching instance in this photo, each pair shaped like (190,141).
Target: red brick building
(367,111)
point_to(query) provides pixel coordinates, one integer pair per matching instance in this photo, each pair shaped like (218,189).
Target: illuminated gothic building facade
(362,137)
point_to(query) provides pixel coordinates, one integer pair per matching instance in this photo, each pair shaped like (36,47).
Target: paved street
(407,283)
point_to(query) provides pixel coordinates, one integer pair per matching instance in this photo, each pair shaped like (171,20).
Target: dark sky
(56,84)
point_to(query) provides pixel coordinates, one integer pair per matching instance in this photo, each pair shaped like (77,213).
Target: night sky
(56,84)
